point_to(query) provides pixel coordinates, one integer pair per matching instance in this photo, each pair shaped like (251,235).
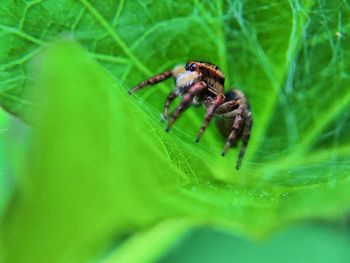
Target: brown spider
(203,83)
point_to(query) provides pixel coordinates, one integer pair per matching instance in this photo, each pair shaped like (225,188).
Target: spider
(202,83)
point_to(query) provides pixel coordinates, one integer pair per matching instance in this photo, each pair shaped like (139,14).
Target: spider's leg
(172,95)
(248,123)
(227,107)
(236,128)
(186,102)
(227,114)
(230,140)
(154,80)
(209,115)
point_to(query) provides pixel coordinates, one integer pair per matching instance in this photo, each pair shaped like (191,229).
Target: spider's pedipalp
(186,102)
(151,81)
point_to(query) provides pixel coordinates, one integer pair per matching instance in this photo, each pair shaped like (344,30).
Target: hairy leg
(236,128)
(227,107)
(211,110)
(248,123)
(153,80)
(186,102)
(172,95)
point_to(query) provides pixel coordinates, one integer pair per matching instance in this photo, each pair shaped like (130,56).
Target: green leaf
(316,242)
(102,164)
(162,236)
(4,191)
(84,180)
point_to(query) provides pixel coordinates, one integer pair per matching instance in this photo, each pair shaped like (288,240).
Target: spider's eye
(193,67)
(187,67)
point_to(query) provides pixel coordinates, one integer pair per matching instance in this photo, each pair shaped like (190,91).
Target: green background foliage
(100,167)
(321,243)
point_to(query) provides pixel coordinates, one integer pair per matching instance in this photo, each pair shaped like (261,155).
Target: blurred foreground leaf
(90,175)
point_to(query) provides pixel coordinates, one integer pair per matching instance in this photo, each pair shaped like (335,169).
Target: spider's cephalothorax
(203,83)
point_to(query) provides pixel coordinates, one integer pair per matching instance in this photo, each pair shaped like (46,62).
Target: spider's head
(205,69)
(184,77)
(192,66)
(210,74)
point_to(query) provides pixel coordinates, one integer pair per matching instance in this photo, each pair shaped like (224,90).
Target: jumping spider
(203,83)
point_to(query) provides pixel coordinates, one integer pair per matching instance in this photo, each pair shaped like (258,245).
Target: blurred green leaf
(150,244)
(84,181)
(4,193)
(101,162)
(316,242)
